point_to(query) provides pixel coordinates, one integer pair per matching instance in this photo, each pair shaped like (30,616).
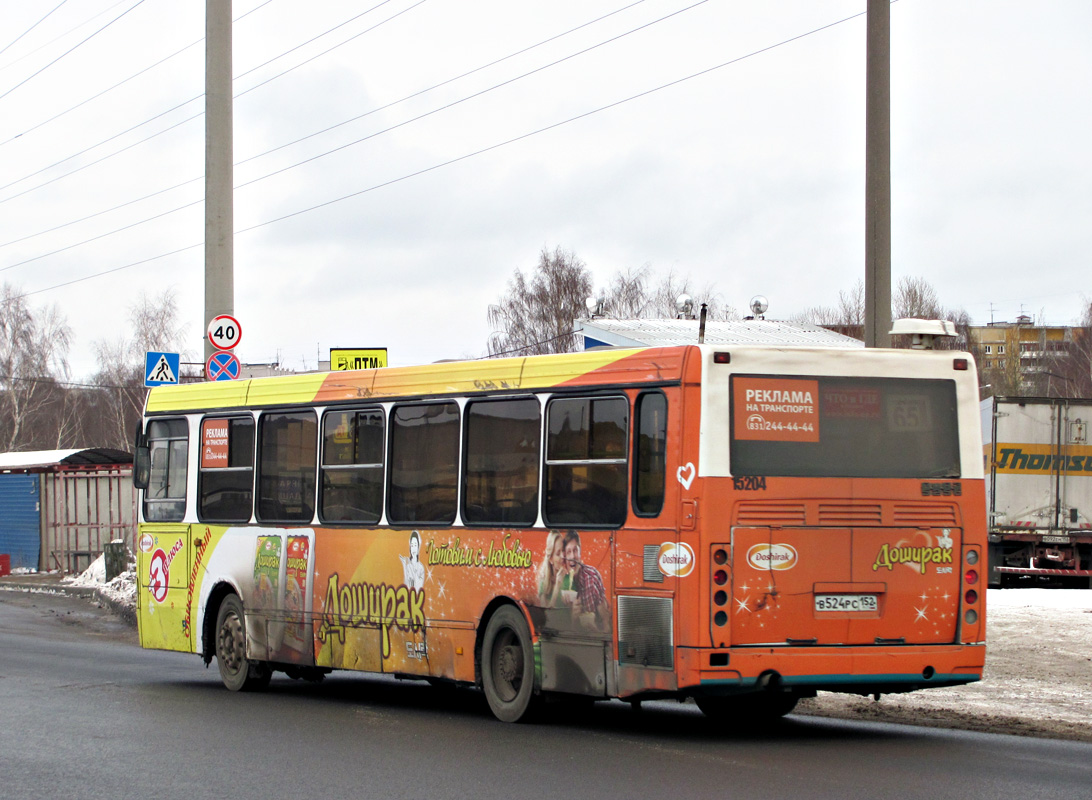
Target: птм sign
(343,358)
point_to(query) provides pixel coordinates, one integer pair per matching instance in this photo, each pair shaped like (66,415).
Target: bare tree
(33,357)
(851,304)
(1066,365)
(633,295)
(536,315)
(120,379)
(916,297)
(847,317)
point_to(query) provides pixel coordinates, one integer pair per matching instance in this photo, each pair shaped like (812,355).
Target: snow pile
(1038,598)
(122,589)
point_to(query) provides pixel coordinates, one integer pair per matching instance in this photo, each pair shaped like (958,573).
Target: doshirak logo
(772,556)
(676,559)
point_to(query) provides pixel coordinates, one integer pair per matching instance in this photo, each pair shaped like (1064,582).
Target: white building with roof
(602,332)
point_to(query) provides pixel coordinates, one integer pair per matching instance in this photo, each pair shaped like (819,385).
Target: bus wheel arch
(208,622)
(238,673)
(506,663)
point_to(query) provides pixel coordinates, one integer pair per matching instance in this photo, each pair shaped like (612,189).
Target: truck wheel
(237,673)
(508,666)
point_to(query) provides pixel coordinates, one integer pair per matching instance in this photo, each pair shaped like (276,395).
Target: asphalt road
(84,712)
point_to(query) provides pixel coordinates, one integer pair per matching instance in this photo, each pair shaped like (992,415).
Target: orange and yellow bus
(742,526)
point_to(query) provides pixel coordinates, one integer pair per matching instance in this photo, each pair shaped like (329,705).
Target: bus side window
(586,462)
(500,469)
(165,497)
(424,464)
(286,469)
(649,453)
(352,466)
(225,488)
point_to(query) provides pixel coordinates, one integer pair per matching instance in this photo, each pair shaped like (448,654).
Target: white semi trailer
(1038,488)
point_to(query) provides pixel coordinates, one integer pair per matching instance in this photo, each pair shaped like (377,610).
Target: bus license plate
(846,602)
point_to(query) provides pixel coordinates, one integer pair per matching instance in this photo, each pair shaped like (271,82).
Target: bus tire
(508,666)
(748,709)
(238,673)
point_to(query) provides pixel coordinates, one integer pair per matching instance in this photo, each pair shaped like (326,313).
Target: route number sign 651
(225,332)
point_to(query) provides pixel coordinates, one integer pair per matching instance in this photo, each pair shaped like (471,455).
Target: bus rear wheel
(748,709)
(508,666)
(236,671)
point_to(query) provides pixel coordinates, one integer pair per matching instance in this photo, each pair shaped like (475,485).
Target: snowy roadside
(121,590)
(1038,679)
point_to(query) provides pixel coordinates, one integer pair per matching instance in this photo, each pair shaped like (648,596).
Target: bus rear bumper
(879,670)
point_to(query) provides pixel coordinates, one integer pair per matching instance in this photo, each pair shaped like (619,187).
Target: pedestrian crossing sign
(161,369)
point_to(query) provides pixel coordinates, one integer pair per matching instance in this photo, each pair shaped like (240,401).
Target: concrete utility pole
(219,217)
(878,175)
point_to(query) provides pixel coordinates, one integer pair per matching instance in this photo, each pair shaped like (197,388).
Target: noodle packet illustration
(268,597)
(296,592)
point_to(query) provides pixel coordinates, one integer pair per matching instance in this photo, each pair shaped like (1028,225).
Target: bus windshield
(799,426)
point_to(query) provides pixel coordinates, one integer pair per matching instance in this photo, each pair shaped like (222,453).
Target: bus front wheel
(237,672)
(508,666)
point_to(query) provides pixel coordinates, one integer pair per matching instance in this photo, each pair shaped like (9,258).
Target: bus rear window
(844,427)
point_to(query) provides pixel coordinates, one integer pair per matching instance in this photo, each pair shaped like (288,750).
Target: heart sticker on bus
(686,474)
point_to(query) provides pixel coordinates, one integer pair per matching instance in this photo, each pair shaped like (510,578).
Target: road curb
(121,609)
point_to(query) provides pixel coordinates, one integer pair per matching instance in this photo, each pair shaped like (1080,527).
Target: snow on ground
(1037,682)
(122,589)
(1038,598)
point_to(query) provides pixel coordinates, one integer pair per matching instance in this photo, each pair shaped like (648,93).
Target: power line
(527,346)
(115,86)
(438,85)
(32,27)
(100,236)
(104,211)
(99,160)
(308,136)
(168,111)
(69,384)
(96,97)
(69,50)
(326,32)
(115,269)
(62,35)
(474,95)
(330,50)
(370,136)
(467,156)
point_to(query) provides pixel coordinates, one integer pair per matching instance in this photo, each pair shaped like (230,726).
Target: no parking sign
(222,366)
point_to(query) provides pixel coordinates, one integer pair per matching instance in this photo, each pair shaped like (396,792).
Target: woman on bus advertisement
(553,577)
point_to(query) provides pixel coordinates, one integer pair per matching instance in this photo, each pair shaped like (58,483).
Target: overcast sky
(416,204)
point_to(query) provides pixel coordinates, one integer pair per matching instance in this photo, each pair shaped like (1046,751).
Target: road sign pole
(219,215)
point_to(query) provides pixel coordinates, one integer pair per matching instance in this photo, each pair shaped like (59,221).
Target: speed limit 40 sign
(225,332)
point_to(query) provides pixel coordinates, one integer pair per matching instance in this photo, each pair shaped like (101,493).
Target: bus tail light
(720,577)
(970,577)
(971,597)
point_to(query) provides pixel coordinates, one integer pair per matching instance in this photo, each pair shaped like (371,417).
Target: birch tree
(154,326)
(33,358)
